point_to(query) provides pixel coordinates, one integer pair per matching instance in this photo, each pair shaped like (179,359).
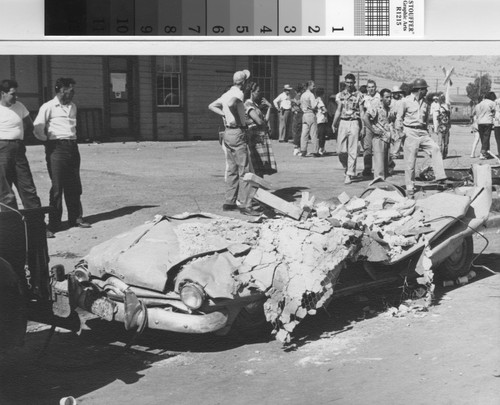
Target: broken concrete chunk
(355,204)
(257,181)
(254,258)
(278,204)
(335,222)
(341,214)
(322,211)
(377,205)
(307,200)
(344,198)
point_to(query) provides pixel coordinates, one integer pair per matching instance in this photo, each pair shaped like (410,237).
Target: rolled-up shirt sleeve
(41,123)
(398,124)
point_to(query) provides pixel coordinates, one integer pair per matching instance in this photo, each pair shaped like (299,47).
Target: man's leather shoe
(229,207)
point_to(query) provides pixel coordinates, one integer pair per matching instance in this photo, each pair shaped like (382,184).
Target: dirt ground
(354,352)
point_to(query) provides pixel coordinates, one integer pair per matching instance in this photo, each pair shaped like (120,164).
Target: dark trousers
(497,139)
(485,134)
(322,128)
(238,164)
(63,165)
(15,170)
(297,128)
(285,124)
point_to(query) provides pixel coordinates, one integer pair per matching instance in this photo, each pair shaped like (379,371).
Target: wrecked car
(200,273)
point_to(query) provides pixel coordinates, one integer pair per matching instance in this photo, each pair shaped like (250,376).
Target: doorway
(121,112)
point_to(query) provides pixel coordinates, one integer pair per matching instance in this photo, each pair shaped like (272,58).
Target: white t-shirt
(223,101)
(321,116)
(59,119)
(11,121)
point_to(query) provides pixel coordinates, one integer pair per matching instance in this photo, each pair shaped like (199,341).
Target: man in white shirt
(371,101)
(283,103)
(55,124)
(14,167)
(309,106)
(230,107)
(485,113)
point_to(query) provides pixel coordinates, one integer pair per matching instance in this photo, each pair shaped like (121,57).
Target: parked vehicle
(140,278)
(29,290)
(180,274)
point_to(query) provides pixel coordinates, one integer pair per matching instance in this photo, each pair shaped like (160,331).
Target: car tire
(458,263)
(251,324)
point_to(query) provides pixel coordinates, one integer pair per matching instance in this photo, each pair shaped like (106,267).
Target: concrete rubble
(293,259)
(296,263)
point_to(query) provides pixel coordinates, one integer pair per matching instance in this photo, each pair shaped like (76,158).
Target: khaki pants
(415,139)
(309,128)
(237,164)
(347,145)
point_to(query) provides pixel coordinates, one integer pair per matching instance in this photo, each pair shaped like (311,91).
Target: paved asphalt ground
(344,355)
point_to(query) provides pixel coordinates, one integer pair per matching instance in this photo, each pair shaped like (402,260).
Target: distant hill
(390,70)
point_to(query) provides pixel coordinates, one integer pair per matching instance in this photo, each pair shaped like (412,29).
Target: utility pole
(480,79)
(360,75)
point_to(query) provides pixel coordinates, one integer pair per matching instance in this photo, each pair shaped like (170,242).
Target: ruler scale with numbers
(329,19)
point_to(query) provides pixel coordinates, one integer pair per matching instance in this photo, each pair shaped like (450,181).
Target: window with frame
(262,73)
(168,82)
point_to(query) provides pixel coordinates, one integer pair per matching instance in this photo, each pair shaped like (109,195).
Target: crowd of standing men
(55,126)
(380,123)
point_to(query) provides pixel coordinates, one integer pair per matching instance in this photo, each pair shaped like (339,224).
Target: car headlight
(192,295)
(81,274)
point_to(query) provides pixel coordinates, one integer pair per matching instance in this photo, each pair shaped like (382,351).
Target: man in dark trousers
(14,167)
(56,125)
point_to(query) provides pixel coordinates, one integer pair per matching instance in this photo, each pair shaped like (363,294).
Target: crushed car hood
(148,255)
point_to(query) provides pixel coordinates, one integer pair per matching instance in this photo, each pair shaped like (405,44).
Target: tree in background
(481,86)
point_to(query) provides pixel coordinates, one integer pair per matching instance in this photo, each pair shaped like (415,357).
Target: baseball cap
(287,87)
(240,76)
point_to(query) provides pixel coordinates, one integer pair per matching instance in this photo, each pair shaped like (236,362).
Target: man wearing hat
(412,117)
(283,103)
(230,107)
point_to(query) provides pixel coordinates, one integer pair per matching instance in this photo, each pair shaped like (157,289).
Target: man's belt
(236,127)
(349,119)
(415,126)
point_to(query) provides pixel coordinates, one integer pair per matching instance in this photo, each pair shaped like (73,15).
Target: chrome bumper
(135,315)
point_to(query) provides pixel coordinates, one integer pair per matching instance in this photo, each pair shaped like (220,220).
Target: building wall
(293,70)
(145,98)
(88,74)
(207,78)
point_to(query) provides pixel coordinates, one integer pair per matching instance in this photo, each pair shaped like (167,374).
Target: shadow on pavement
(106,216)
(290,194)
(70,366)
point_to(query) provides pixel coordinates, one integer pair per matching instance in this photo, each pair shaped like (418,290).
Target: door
(121,111)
